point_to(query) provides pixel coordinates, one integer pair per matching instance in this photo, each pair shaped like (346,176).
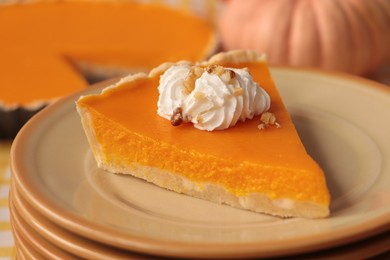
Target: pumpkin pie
(264,169)
(53,48)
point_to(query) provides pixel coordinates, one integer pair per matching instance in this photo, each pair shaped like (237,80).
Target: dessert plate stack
(63,206)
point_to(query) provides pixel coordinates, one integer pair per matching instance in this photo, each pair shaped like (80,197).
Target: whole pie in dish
(50,49)
(258,164)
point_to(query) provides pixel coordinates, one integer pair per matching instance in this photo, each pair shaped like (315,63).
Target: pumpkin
(349,35)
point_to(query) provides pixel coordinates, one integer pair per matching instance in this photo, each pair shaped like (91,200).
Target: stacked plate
(63,206)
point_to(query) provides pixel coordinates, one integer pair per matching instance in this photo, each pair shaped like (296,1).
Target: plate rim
(51,232)
(365,250)
(154,246)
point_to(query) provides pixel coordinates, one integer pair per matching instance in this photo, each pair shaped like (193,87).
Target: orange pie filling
(43,41)
(124,130)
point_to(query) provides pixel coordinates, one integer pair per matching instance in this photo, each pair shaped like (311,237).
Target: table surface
(7,250)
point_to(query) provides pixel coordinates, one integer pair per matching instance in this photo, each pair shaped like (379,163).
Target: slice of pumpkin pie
(216,130)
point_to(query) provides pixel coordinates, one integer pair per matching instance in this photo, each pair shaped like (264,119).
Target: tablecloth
(7,250)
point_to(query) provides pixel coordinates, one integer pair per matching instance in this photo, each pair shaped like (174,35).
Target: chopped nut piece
(198,71)
(267,119)
(188,86)
(238,92)
(215,69)
(199,95)
(177,117)
(231,73)
(228,76)
(199,118)
(189,82)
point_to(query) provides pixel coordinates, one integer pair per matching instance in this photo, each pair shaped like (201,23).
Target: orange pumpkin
(348,35)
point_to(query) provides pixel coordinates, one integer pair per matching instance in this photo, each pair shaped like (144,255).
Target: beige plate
(32,244)
(61,238)
(24,251)
(88,249)
(343,122)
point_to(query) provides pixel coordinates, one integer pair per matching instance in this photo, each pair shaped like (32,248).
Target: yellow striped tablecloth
(7,250)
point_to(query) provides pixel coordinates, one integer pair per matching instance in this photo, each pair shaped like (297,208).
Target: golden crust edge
(255,202)
(233,56)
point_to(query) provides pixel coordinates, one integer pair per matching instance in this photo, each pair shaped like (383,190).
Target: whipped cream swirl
(212,98)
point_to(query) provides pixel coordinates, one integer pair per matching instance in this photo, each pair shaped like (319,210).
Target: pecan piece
(228,76)
(267,119)
(189,82)
(177,117)
(215,69)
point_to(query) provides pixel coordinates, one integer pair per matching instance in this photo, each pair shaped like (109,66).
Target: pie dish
(85,41)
